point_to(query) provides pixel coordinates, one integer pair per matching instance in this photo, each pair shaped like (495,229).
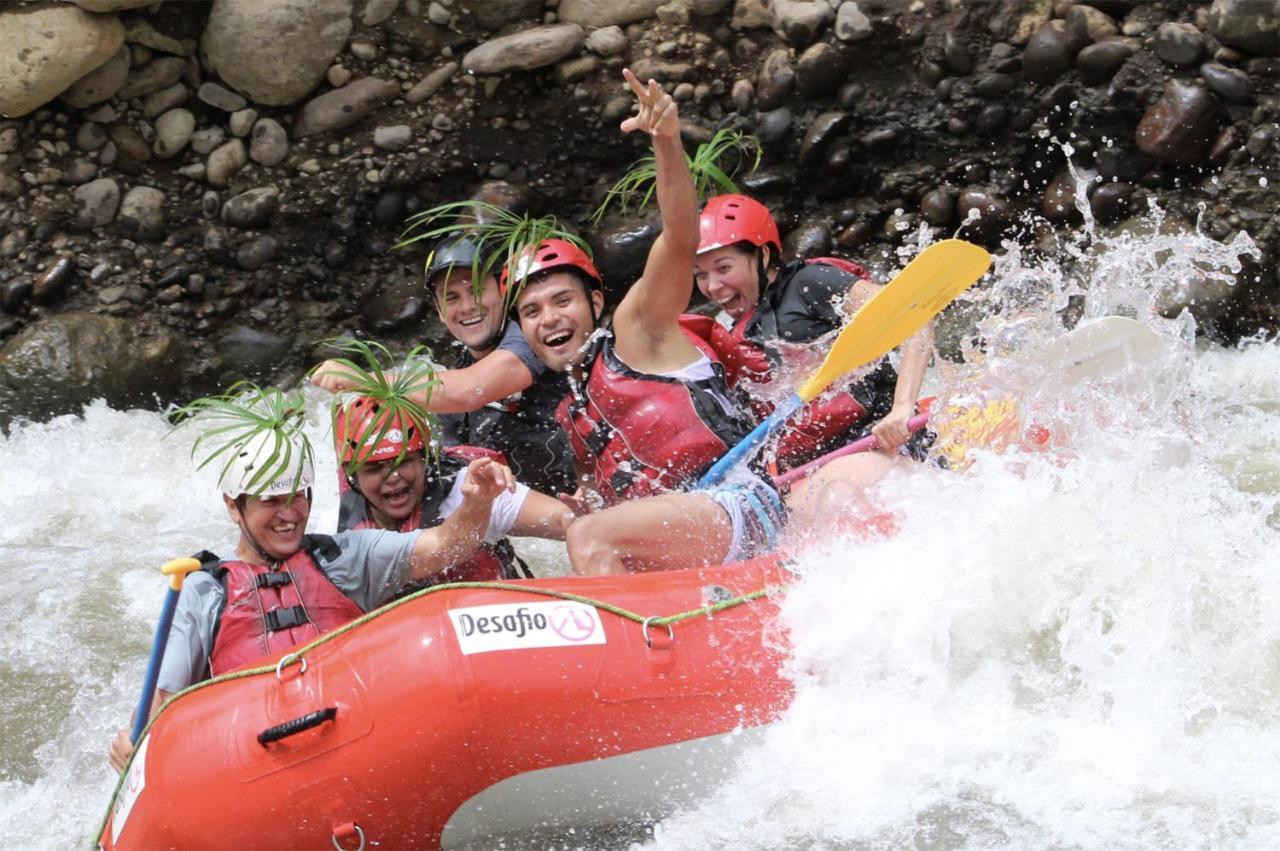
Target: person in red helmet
(776,308)
(649,408)
(389,483)
(500,396)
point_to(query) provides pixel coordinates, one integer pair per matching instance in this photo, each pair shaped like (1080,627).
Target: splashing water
(1052,652)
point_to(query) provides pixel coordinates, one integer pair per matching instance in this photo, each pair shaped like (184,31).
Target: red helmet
(729,219)
(550,254)
(362,433)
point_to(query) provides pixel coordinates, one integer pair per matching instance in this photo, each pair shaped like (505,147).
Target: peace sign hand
(658,115)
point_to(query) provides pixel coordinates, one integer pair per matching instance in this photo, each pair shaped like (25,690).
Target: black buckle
(278,619)
(274,579)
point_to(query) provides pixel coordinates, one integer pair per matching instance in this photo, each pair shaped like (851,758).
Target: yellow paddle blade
(917,294)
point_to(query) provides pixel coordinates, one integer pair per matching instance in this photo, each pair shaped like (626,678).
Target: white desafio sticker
(520,626)
(134,783)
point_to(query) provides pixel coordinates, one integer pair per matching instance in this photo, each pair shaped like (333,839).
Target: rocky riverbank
(195,191)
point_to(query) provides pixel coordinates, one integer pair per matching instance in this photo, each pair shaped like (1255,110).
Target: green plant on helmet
(711,174)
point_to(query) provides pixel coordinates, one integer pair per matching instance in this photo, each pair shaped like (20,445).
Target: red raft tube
(470,715)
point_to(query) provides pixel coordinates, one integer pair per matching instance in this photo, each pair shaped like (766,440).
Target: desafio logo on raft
(523,626)
(519,623)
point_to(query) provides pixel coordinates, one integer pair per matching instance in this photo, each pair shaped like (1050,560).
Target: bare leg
(837,492)
(658,533)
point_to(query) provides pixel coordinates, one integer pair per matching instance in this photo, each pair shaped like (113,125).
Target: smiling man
(283,587)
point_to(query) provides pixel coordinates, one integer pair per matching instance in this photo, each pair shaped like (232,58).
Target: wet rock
(132,149)
(173,131)
(1121,163)
(742,95)
(138,31)
(1086,25)
(90,136)
(750,14)
(252,353)
(991,118)
(606,13)
(994,85)
(852,25)
(825,127)
(66,360)
(810,239)
(269,144)
(152,77)
(225,162)
(1230,84)
(256,253)
(773,125)
(100,84)
(432,83)
(275,53)
(1180,126)
(164,100)
(957,54)
(221,98)
(1110,202)
(395,138)
(142,214)
(80,171)
(820,70)
(1251,25)
(47,48)
(391,208)
(1099,62)
(343,107)
(252,209)
(1060,198)
(938,206)
(52,285)
(1178,44)
(620,249)
(776,81)
(525,50)
(800,22)
(1048,54)
(984,215)
(16,293)
(607,41)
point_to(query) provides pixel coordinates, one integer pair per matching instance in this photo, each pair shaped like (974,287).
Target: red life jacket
(823,423)
(643,434)
(490,562)
(267,611)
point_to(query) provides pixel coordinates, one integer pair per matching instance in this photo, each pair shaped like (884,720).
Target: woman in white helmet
(282,587)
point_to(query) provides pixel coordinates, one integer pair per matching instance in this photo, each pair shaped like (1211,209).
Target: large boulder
(274,51)
(47,47)
(101,83)
(526,50)
(65,361)
(1252,25)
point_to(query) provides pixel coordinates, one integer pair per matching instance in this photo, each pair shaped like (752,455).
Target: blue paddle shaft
(143,714)
(750,443)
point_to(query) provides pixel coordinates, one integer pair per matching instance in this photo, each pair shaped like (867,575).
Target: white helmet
(269,463)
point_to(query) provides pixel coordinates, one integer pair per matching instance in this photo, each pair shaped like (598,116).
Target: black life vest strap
(282,618)
(274,579)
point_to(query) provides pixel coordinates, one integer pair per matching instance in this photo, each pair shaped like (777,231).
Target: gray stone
(377,11)
(607,41)
(164,100)
(269,144)
(343,107)
(242,121)
(776,81)
(1110,202)
(395,138)
(663,70)
(750,14)
(494,15)
(153,77)
(256,253)
(432,83)
(675,13)
(852,24)
(820,70)
(111,5)
(204,141)
(773,125)
(525,50)
(142,214)
(225,162)
(133,149)
(139,31)
(578,68)
(1180,126)
(1048,54)
(252,209)
(706,8)
(1086,25)
(957,54)
(800,22)
(1178,44)
(1230,84)
(938,206)
(221,98)
(1251,25)
(275,53)
(90,136)
(52,285)
(256,354)
(824,128)
(96,203)
(605,13)
(173,131)
(991,214)
(364,49)
(994,85)
(338,75)
(439,15)
(99,84)
(47,48)
(66,360)
(80,171)
(1098,63)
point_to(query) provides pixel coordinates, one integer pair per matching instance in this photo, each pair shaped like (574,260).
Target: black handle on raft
(297,725)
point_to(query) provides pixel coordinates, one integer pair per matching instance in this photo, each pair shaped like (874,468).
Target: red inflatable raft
(467,715)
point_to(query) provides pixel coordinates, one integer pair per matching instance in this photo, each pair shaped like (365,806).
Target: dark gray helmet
(454,251)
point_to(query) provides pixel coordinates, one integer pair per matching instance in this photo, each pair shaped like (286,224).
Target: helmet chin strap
(762,273)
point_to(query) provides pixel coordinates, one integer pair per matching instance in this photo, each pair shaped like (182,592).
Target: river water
(1061,650)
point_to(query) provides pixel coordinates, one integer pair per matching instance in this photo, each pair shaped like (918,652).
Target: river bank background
(199,191)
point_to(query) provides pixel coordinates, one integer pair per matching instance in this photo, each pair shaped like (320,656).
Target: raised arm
(892,431)
(648,315)
(495,376)
(462,532)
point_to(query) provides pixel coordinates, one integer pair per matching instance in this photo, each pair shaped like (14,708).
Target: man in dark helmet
(500,396)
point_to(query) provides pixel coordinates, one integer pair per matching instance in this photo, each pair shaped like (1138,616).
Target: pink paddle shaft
(869,442)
